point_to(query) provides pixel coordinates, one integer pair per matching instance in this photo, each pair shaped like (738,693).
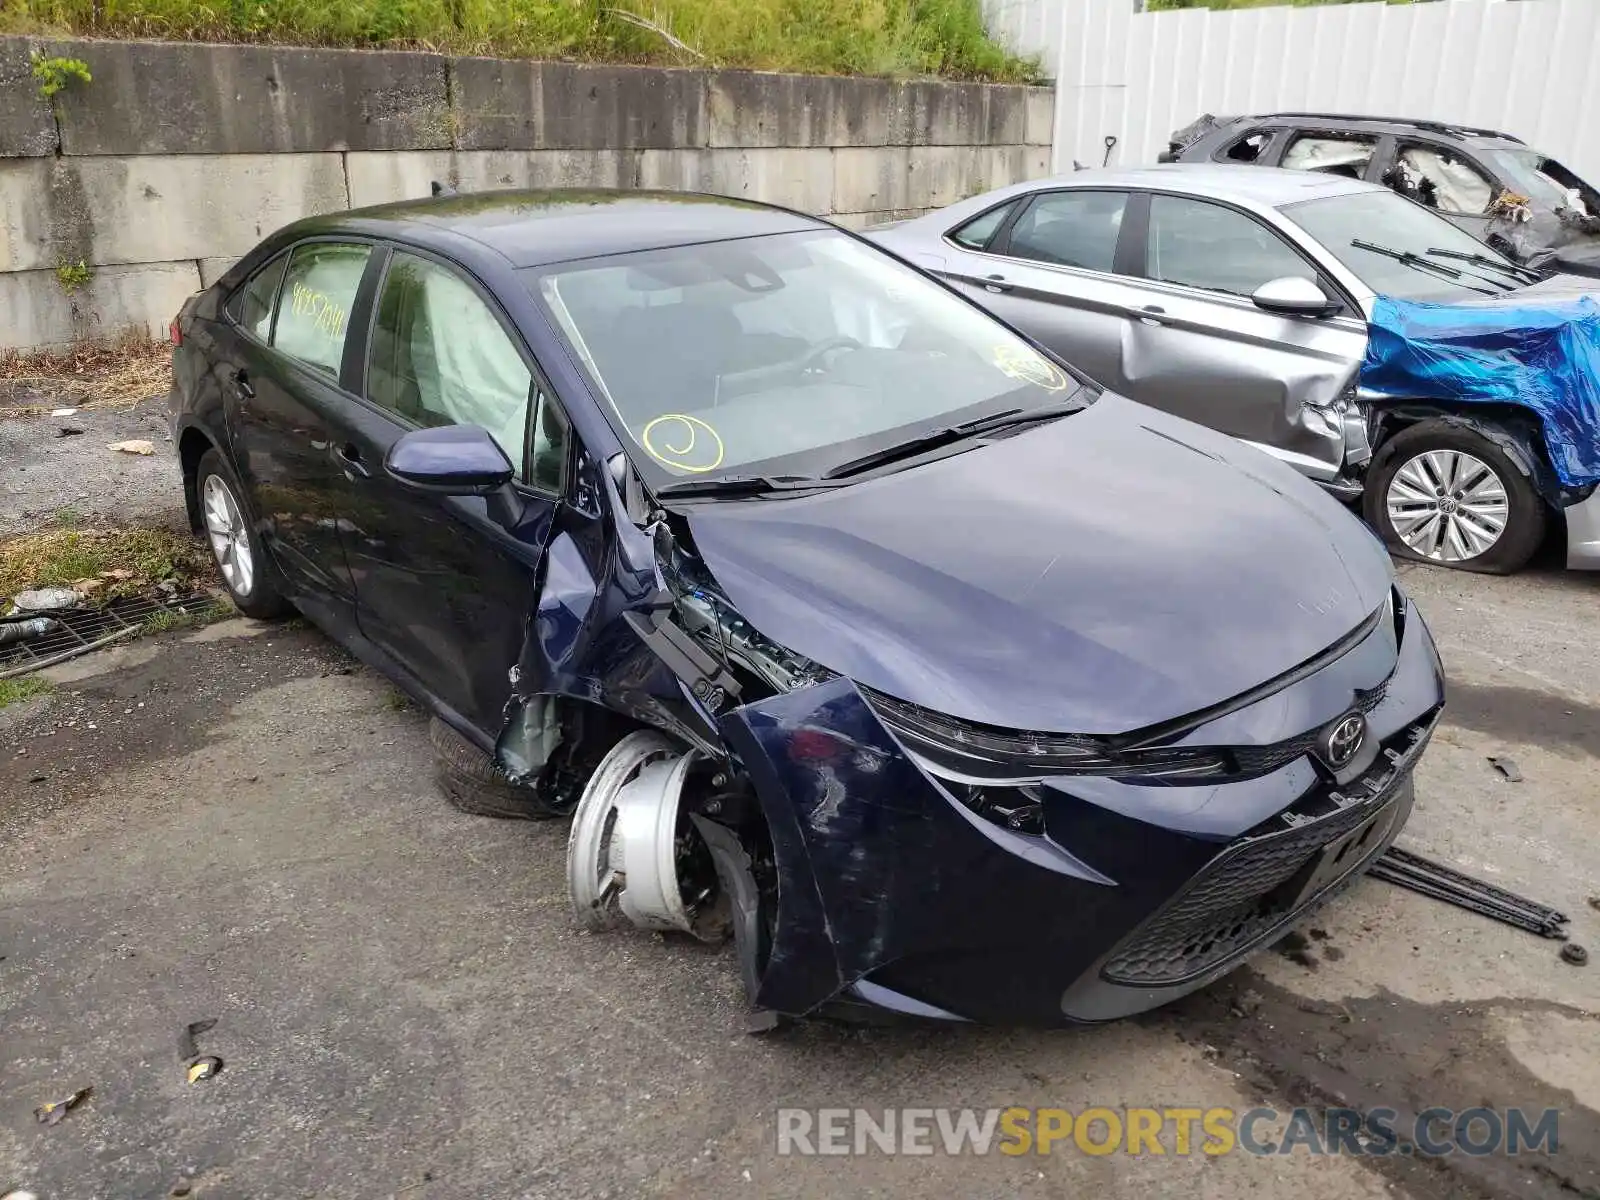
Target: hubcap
(1447,506)
(230,540)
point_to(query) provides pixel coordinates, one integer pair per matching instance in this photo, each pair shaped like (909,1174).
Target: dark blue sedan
(839,618)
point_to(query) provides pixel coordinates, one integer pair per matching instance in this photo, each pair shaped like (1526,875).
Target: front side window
(1438,179)
(314,303)
(797,351)
(1333,153)
(1073,229)
(439,355)
(1401,249)
(975,234)
(1203,245)
(251,306)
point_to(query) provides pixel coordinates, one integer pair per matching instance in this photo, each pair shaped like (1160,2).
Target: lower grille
(1252,887)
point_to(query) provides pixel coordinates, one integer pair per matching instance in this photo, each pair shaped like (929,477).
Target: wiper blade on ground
(741,485)
(951,434)
(1483,260)
(1420,263)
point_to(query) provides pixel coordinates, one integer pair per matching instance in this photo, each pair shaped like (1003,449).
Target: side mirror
(1293,296)
(450,460)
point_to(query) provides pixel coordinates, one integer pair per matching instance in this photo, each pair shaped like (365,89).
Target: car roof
(536,228)
(1467,135)
(1270,187)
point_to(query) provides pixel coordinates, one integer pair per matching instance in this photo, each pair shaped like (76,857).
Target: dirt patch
(114,374)
(1384,1050)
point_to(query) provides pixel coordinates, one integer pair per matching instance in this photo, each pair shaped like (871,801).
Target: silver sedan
(1239,299)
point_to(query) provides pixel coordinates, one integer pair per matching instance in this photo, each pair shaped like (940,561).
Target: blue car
(838,618)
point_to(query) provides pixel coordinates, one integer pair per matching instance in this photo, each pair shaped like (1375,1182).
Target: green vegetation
(24,687)
(866,37)
(73,275)
(124,560)
(54,73)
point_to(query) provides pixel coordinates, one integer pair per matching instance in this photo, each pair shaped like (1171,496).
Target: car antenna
(442,189)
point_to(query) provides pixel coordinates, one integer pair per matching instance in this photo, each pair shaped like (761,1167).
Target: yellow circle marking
(674,455)
(1023,364)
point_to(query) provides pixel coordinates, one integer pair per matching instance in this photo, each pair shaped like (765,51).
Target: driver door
(444,589)
(1204,351)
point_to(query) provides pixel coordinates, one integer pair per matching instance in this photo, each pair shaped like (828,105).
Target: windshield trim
(815,461)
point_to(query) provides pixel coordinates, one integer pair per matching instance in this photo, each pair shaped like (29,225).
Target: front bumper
(1583,534)
(893,894)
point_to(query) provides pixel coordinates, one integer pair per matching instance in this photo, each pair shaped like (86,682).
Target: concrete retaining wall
(177,158)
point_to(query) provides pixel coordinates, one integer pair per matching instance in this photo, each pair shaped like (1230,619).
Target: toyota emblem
(1344,739)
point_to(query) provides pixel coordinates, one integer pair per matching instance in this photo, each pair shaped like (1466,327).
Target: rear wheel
(1447,495)
(249,575)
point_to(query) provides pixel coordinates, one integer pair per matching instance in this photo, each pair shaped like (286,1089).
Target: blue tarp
(1543,356)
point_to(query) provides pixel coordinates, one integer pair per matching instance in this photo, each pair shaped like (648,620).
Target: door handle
(241,384)
(1151,313)
(349,456)
(996,284)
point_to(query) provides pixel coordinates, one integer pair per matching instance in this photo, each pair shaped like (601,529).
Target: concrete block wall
(178,157)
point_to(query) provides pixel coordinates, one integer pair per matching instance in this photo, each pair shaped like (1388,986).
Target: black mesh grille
(1263,760)
(1253,886)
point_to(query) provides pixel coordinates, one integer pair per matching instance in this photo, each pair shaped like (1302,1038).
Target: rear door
(1204,351)
(445,588)
(284,387)
(1050,268)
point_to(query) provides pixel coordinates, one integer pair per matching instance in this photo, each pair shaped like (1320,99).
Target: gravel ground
(46,472)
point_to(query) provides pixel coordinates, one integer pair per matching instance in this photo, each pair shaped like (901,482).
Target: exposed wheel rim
(230,539)
(1447,505)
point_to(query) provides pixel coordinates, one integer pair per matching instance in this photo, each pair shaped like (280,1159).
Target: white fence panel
(1524,66)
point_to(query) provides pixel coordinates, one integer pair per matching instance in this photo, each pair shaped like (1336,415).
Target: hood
(1108,571)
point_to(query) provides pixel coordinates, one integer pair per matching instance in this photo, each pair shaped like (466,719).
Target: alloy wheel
(230,539)
(1447,505)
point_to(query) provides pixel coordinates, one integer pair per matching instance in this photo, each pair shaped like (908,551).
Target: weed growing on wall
(73,275)
(54,72)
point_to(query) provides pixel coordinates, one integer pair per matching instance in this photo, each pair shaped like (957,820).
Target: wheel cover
(230,539)
(624,851)
(1447,505)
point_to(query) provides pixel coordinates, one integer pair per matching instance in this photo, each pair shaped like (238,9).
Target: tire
(470,780)
(246,569)
(1433,453)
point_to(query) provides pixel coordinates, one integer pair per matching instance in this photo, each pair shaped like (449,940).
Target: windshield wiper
(1483,260)
(741,485)
(951,434)
(1420,263)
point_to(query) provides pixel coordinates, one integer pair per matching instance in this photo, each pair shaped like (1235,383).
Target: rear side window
(1333,153)
(975,234)
(1247,149)
(439,355)
(314,303)
(251,306)
(1204,245)
(1074,229)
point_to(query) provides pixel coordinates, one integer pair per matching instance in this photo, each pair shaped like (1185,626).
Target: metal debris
(197,1066)
(68,431)
(16,631)
(63,412)
(1574,954)
(52,599)
(53,1112)
(1434,879)
(135,446)
(1506,767)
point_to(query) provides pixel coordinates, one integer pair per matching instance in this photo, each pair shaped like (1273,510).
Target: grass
(116,373)
(169,619)
(25,687)
(866,37)
(126,560)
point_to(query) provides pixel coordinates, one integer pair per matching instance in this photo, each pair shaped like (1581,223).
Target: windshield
(793,351)
(1526,171)
(1395,223)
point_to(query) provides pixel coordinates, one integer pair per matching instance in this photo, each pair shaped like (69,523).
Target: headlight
(972,753)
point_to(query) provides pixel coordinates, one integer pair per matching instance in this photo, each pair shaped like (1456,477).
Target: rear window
(251,306)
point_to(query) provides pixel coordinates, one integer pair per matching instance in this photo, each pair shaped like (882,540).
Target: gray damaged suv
(1240,299)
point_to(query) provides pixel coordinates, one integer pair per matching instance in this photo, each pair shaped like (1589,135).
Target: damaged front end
(870,855)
